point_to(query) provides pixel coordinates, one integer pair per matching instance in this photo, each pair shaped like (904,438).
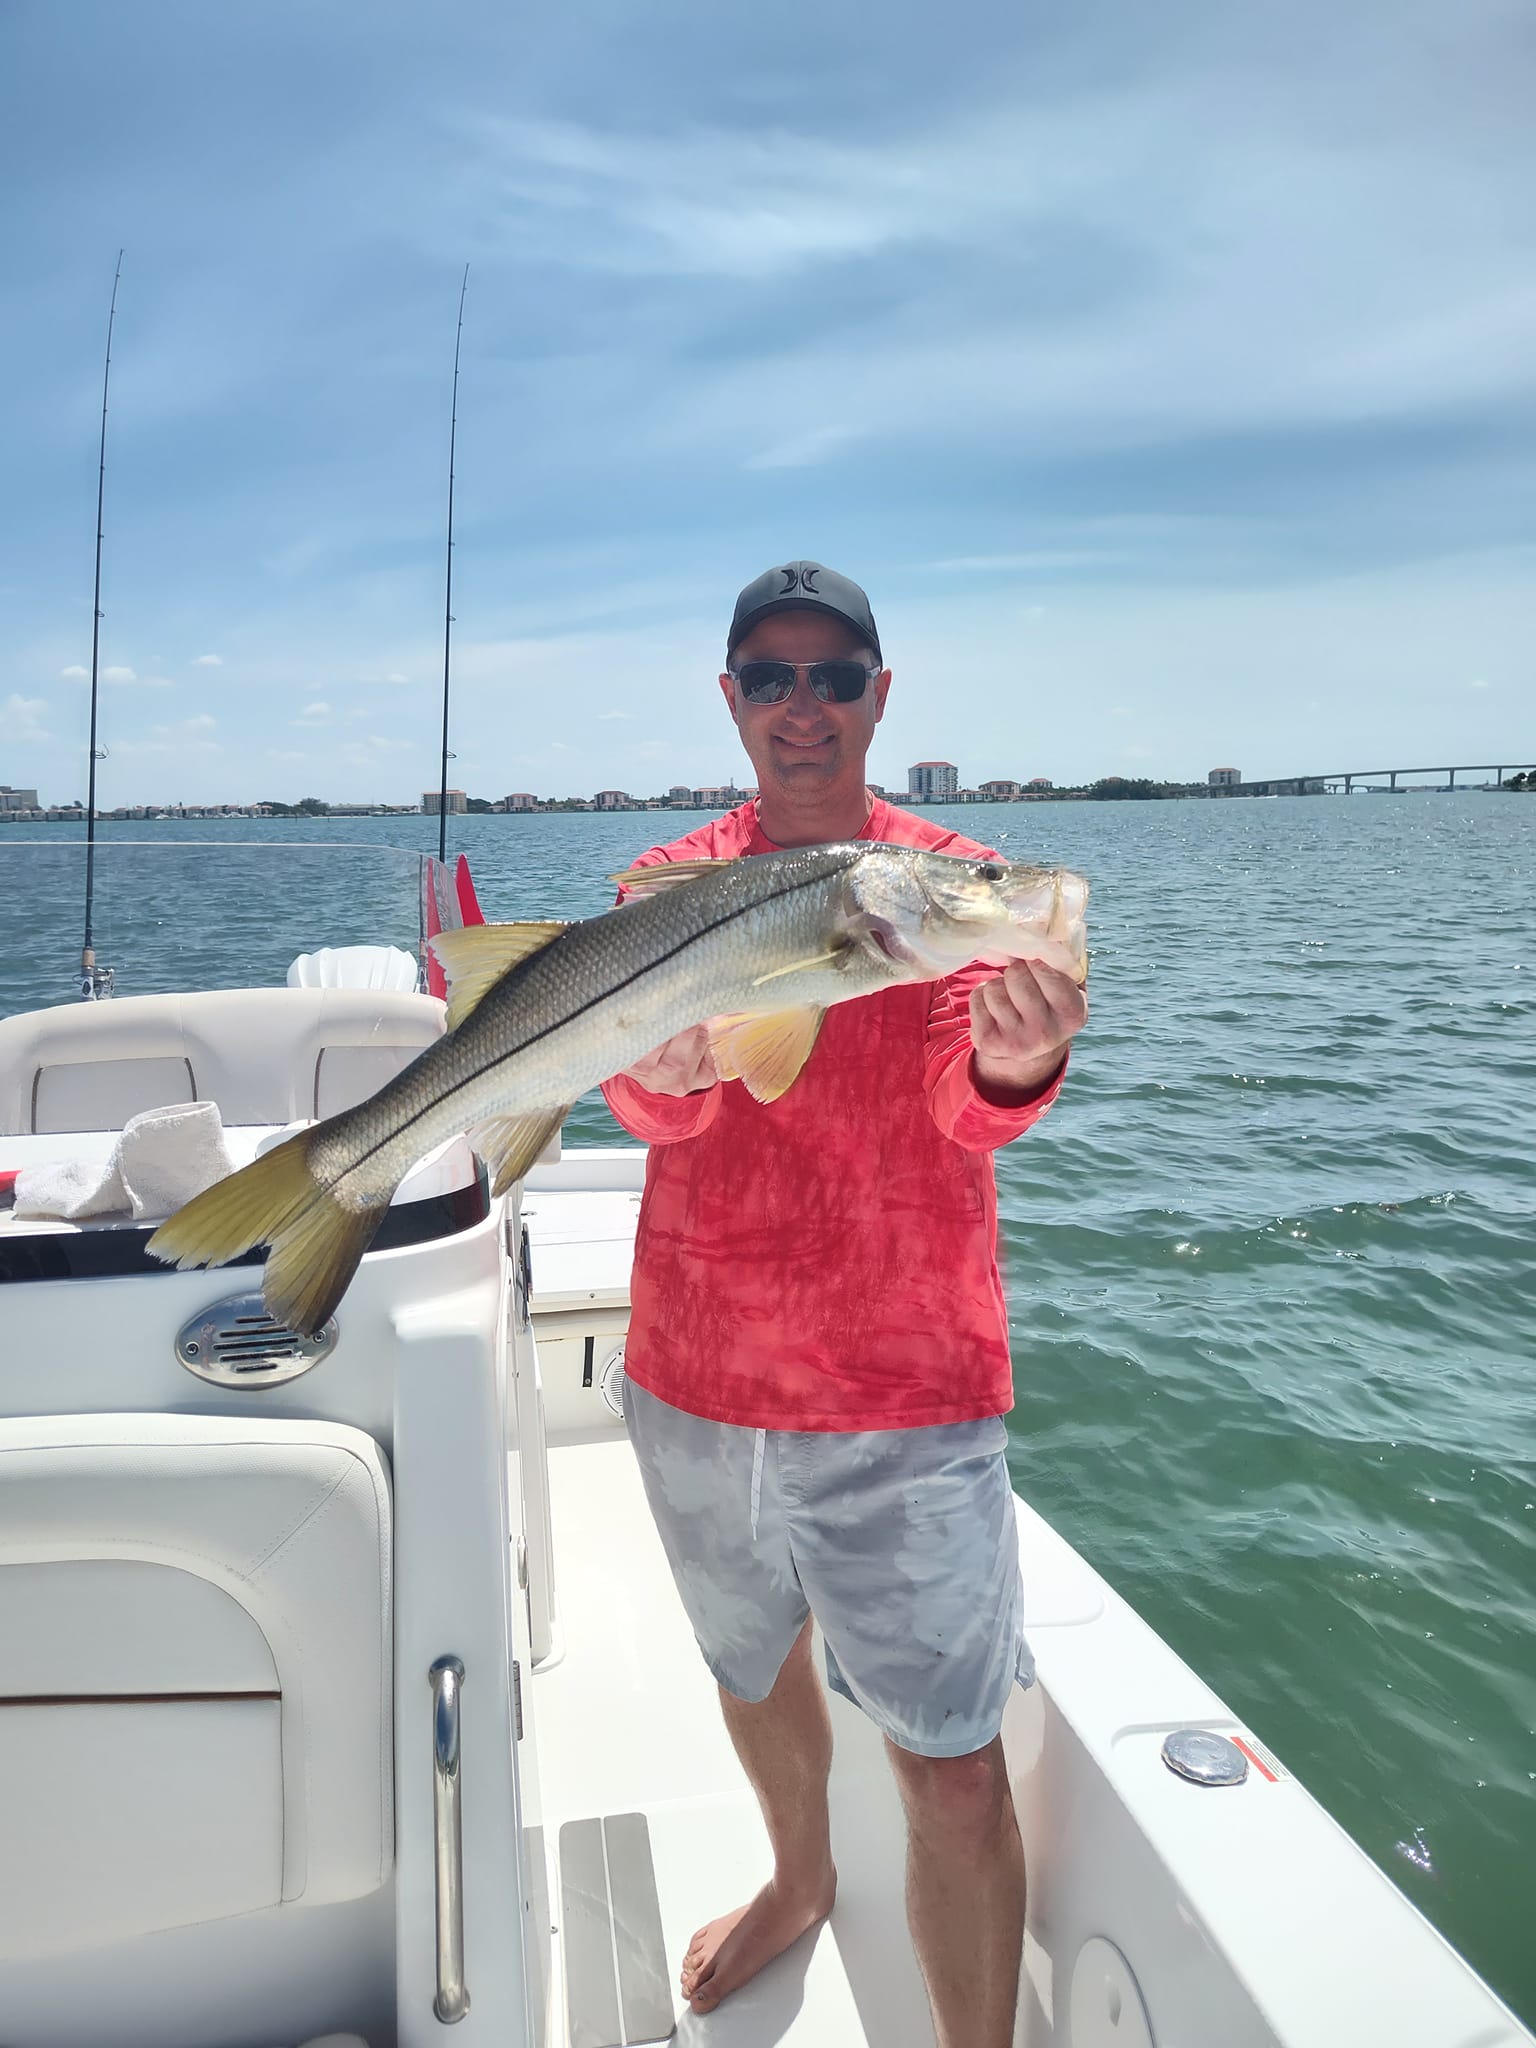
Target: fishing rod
(453,431)
(96,982)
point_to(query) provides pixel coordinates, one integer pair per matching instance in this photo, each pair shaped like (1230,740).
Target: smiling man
(818,1366)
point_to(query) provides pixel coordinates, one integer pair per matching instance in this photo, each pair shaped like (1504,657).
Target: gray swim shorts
(901,1542)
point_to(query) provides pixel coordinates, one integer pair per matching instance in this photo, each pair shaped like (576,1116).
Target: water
(1271,1258)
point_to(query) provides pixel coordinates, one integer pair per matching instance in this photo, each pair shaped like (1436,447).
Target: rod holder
(452,2000)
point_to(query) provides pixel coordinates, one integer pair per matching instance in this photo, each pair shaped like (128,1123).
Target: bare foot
(725,1954)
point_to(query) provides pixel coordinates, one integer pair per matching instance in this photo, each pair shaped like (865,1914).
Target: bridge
(1346,778)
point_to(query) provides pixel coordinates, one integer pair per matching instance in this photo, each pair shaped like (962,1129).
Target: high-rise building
(931,782)
(1224,778)
(430,801)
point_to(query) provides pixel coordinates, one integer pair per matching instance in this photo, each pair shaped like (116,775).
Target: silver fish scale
(609,990)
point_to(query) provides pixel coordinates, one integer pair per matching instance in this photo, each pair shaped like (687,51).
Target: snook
(540,1013)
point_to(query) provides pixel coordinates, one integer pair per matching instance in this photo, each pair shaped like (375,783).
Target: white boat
(344,1693)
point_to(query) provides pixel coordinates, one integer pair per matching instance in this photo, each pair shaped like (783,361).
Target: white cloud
(21,720)
(202,723)
(604,715)
(1479,683)
(313,714)
(75,673)
(285,754)
(209,661)
(1354,262)
(119,674)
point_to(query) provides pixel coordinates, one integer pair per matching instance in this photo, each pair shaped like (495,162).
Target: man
(817,1364)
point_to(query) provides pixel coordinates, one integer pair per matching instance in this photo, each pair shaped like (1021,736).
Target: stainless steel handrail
(452,2000)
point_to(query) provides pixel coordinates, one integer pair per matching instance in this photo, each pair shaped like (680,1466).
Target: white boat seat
(265,1056)
(355,967)
(195,1673)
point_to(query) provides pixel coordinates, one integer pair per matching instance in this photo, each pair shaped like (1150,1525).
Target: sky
(1166,376)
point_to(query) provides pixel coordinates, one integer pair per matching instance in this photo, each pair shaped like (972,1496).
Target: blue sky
(1167,376)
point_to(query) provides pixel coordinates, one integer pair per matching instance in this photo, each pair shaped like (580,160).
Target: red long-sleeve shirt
(829,1260)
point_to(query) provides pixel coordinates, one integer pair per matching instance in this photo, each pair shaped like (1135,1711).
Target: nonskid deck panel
(616,1972)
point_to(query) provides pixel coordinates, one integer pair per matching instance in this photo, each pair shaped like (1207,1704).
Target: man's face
(804,749)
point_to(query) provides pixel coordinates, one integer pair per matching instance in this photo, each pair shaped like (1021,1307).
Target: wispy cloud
(318,713)
(208,661)
(21,720)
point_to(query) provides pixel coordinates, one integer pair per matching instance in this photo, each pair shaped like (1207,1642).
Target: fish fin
(764,1050)
(824,959)
(475,957)
(510,1144)
(665,874)
(317,1241)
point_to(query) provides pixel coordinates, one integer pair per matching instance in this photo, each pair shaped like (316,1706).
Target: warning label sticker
(1263,1760)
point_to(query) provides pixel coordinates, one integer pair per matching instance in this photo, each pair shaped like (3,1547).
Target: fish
(757,948)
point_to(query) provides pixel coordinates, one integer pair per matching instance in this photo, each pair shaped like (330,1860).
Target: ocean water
(1271,1260)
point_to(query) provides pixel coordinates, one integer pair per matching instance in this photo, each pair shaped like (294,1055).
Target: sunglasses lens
(766,682)
(839,682)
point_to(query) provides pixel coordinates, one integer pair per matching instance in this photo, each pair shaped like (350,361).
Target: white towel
(163,1158)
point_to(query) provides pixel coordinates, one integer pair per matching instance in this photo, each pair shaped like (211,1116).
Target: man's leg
(965,1890)
(785,1746)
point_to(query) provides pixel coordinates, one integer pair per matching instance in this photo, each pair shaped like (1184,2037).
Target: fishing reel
(96,984)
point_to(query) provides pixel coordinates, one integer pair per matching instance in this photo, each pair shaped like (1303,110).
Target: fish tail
(317,1239)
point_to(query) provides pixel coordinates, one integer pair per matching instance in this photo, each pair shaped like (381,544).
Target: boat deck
(628,1720)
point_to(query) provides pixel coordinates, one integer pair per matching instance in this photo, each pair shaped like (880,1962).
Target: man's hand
(1021,1025)
(680,1067)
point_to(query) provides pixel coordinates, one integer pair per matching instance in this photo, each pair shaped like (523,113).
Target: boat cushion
(115,1625)
(264,1055)
(195,1672)
(101,1095)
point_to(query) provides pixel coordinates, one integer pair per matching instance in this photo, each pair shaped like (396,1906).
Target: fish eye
(990,870)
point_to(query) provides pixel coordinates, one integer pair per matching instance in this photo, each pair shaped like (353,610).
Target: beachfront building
(1224,778)
(1000,791)
(457,801)
(933,782)
(1041,783)
(613,800)
(17,799)
(520,800)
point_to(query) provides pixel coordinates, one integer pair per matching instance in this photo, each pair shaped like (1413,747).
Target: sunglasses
(834,682)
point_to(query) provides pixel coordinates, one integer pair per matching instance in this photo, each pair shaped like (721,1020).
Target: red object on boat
(469,902)
(8,1184)
(446,906)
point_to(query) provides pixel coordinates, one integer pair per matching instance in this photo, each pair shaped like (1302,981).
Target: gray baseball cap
(803,587)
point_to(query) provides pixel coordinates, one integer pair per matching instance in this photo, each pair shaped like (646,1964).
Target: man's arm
(673,1093)
(997,1050)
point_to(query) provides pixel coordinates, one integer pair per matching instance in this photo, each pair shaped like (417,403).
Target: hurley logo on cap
(798,578)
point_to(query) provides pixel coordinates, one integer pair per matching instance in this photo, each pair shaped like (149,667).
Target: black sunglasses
(834,682)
